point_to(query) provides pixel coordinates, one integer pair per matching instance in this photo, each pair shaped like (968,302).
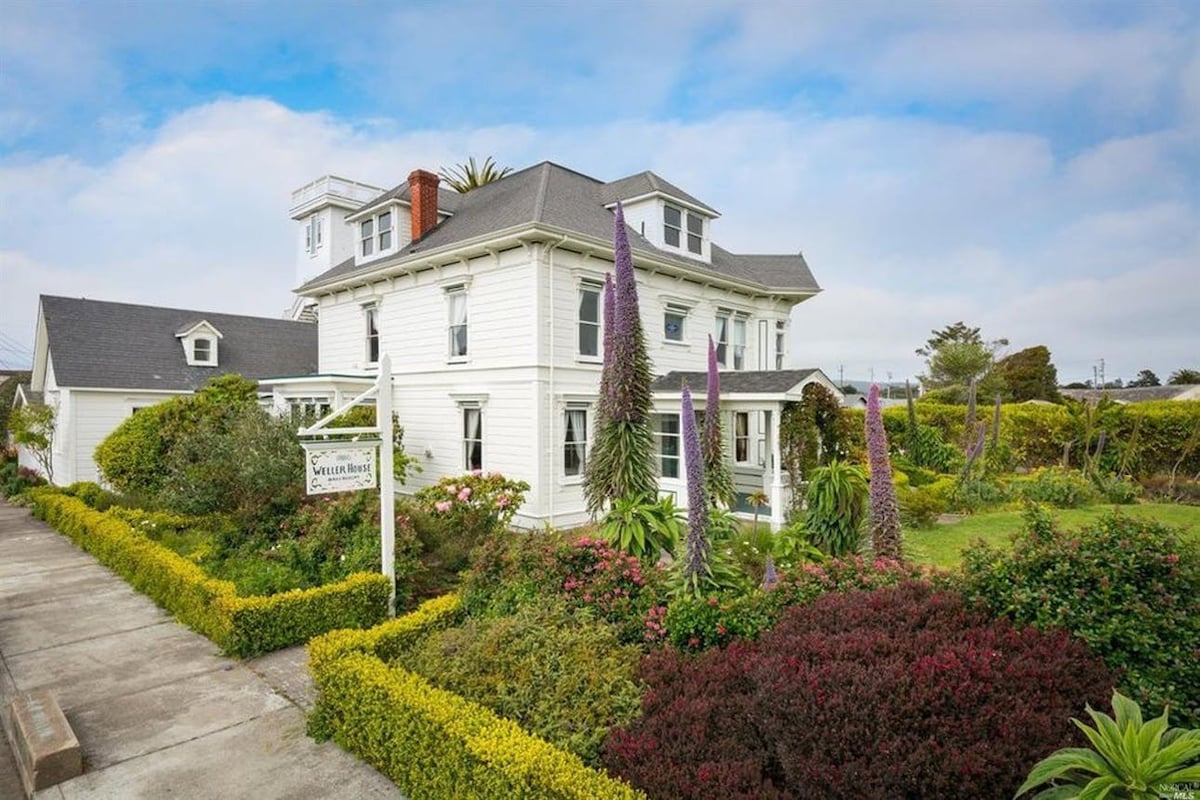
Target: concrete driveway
(158,711)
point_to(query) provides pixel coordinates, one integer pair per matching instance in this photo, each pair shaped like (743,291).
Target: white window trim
(680,310)
(684,230)
(586,408)
(677,457)
(735,436)
(463,407)
(590,284)
(450,290)
(367,309)
(211,360)
(375,237)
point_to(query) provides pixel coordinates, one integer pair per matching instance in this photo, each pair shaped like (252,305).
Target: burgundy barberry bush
(903,692)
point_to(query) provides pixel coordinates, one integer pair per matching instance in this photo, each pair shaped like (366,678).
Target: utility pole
(889,389)
(1102,373)
(841,376)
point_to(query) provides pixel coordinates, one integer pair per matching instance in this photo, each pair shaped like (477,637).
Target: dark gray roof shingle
(98,344)
(735,381)
(645,183)
(553,195)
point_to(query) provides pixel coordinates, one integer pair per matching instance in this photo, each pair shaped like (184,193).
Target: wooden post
(387,479)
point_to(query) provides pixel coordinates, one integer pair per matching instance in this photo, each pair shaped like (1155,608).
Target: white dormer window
(202,351)
(199,340)
(376,234)
(683,229)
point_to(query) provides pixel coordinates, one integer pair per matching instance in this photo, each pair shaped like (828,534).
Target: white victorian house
(489,305)
(96,363)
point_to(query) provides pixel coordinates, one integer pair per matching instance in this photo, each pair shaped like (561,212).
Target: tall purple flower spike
(628,342)
(712,413)
(610,321)
(884,509)
(697,546)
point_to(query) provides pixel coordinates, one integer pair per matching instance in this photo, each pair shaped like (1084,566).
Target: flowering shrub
(515,569)
(477,501)
(902,692)
(714,622)
(1130,588)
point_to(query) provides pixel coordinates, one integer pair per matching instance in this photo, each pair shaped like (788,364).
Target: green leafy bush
(559,675)
(1130,588)
(95,495)
(920,507)
(1061,488)
(514,569)
(476,502)
(972,494)
(702,623)
(431,742)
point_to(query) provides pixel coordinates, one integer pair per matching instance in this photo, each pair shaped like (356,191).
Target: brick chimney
(423,189)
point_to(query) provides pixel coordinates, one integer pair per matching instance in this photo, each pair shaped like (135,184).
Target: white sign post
(337,466)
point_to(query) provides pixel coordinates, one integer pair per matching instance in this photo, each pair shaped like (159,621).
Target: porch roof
(776,384)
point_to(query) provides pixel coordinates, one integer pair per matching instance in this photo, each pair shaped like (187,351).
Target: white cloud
(909,225)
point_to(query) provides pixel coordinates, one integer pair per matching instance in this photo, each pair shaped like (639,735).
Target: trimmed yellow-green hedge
(1149,437)
(433,743)
(243,626)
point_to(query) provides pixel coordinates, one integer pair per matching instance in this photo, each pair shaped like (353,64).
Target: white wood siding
(97,415)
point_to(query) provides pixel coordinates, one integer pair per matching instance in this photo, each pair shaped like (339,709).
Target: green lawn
(942,546)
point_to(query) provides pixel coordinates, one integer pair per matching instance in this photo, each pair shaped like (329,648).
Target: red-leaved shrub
(902,692)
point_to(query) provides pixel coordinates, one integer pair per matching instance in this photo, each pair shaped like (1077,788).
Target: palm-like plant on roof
(462,178)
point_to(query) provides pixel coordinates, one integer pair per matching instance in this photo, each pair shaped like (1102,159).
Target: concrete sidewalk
(157,710)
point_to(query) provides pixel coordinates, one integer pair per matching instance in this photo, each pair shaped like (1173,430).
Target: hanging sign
(339,466)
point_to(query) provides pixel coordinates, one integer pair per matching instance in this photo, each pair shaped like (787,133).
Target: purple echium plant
(630,362)
(884,509)
(604,404)
(717,475)
(696,552)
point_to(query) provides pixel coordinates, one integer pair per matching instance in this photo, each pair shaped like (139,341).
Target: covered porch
(311,395)
(752,405)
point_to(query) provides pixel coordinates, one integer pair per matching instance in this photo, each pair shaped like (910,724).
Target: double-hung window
(202,351)
(673,319)
(456,303)
(472,421)
(589,319)
(575,440)
(371,317)
(741,436)
(780,343)
(384,223)
(666,431)
(721,337)
(739,342)
(367,236)
(683,229)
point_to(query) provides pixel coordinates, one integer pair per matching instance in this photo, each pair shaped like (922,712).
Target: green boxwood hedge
(242,626)
(433,743)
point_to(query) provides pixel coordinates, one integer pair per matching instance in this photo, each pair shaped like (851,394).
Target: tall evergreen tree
(622,460)
(718,477)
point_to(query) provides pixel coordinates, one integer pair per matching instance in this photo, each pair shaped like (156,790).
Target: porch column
(777,512)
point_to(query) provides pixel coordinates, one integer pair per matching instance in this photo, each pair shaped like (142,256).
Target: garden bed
(240,625)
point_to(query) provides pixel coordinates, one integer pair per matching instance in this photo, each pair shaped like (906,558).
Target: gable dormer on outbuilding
(668,217)
(199,340)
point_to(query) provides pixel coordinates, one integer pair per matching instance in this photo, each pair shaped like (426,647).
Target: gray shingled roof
(97,344)
(735,381)
(556,196)
(448,199)
(645,183)
(1136,394)
(31,397)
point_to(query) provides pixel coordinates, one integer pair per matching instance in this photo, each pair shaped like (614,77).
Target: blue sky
(1031,168)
